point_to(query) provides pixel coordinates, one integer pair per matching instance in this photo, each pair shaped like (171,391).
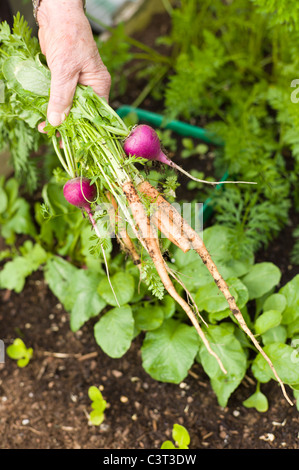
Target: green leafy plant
(180,437)
(19,352)
(191,150)
(229,70)
(258,401)
(295,251)
(98,405)
(15,216)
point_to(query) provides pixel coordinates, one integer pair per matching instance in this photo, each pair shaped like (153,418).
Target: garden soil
(46,405)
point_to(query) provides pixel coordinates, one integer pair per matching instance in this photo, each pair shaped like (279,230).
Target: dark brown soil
(46,405)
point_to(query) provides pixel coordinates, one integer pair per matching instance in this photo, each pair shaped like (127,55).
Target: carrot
(182,229)
(150,241)
(166,225)
(122,235)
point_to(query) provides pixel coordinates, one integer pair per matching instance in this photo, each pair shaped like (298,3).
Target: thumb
(61,97)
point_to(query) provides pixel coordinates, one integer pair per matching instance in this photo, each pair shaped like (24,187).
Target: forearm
(43,9)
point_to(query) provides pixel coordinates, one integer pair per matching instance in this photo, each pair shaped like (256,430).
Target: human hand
(66,40)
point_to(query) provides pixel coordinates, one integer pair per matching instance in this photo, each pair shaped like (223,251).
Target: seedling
(180,436)
(98,405)
(19,352)
(258,401)
(190,149)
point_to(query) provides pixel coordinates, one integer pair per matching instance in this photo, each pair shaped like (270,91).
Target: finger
(100,82)
(61,97)
(103,85)
(41,127)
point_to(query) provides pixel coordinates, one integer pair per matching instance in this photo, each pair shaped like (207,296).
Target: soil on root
(46,406)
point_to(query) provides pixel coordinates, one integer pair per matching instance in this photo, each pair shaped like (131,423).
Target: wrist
(44,10)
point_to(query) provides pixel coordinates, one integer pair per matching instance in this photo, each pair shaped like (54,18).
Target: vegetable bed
(141,411)
(52,392)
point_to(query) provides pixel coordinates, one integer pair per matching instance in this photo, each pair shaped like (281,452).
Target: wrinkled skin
(66,40)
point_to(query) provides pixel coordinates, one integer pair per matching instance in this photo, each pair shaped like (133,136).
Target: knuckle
(106,77)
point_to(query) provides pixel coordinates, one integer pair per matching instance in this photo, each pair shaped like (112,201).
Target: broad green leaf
(99,405)
(275,302)
(34,254)
(239,291)
(16,350)
(94,393)
(32,118)
(58,274)
(87,302)
(293,328)
(168,305)
(168,445)
(232,355)
(193,271)
(291,294)
(3,201)
(20,220)
(285,361)
(237,286)
(123,285)
(261,278)
(140,291)
(12,191)
(278,334)
(258,401)
(8,69)
(210,299)
(267,320)
(216,317)
(217,241)
(181,436)
(148,317)
(76,289)
(96,417)
(169,351)
(13,275)
(23,362)
(87,243)
(114,331)
(28,75)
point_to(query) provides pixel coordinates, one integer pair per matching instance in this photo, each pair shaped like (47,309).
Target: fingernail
(55,119)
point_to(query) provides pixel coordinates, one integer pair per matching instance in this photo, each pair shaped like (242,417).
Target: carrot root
(196,243)
(122,235)
(151,242)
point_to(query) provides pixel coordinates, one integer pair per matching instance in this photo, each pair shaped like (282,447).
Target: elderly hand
(66,40)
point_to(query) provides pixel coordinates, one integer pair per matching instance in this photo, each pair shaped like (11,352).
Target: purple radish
(144,142)
(80,193)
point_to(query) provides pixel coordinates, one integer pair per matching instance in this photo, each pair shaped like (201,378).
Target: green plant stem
(68,154)
(61,159)
(149,87)
(134,42)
